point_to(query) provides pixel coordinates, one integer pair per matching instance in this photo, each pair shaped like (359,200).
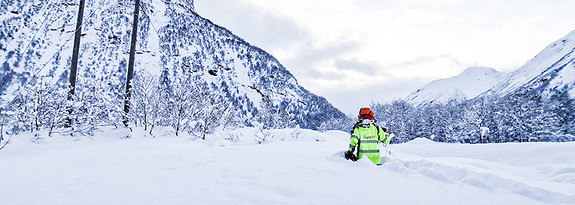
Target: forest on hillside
(522,116)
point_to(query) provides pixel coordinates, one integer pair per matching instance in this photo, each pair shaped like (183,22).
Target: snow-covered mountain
(173,41)
(552,69)
(467,85)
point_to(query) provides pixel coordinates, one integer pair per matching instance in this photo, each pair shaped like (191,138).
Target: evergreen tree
(522,116)
(562,108)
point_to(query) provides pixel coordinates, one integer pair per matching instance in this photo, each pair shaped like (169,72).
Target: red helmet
(366,113)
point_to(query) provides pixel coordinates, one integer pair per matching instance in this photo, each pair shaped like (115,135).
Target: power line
(39,28)
(154,27)
(57,52)
(91,15)
(60,49)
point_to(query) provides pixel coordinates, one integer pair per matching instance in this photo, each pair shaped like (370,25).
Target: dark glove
(350,156)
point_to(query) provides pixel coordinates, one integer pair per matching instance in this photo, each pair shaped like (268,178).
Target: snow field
(291,166)
(494,168)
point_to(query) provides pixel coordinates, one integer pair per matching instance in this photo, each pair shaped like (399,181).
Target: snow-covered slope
(467,85)
(173,41)
(553,68)
(292,167)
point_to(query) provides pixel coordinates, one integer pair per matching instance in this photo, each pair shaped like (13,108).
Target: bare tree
(216,111)
(57,110)
(3,119)
(184,101)
(145,99)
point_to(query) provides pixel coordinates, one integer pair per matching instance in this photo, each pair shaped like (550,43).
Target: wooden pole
(131,63)
(75,51)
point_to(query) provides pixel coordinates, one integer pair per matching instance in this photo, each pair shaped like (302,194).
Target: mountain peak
(549,69)
(175,46)
(570,36)
(552,69)
(467,85)
(477,70)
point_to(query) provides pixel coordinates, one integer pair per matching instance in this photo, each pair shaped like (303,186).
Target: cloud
(278,35)
(363,94)
(259,27)
(427,67)
(360,51)
(367,68)
(419,60)
(317,62)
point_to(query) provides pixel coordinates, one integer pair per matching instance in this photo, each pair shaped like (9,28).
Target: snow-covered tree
(57,112)
(144,107)
(563,107)
(3,121)
(215,111)
(95,104)
(337,124)
(185,99)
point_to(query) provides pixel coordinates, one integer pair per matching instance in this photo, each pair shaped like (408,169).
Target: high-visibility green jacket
(367,139)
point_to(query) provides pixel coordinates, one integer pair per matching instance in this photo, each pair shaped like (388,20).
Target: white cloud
(259,27)
(342,48)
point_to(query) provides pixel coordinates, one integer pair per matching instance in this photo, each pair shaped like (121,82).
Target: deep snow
(291,166)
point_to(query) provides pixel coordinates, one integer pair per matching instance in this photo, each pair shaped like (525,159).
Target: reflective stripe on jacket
(368,138)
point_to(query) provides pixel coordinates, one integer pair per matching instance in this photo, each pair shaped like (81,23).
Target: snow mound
(420,141)
(338,134)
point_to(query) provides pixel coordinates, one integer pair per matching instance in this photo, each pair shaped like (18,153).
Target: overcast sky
(355,52)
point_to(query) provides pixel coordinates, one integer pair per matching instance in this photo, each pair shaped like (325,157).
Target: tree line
(181,102)
(526,115)
(185,103)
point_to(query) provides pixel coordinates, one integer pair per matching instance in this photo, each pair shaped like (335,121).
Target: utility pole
(75,51)
(131,63)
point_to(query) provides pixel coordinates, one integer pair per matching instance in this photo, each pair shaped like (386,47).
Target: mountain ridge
(173,43)
(550,70)
(467,85)
(541,71)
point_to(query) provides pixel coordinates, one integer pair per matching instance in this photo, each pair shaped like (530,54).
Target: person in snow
(365,135)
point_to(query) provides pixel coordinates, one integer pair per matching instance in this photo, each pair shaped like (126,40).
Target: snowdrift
(291,166)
